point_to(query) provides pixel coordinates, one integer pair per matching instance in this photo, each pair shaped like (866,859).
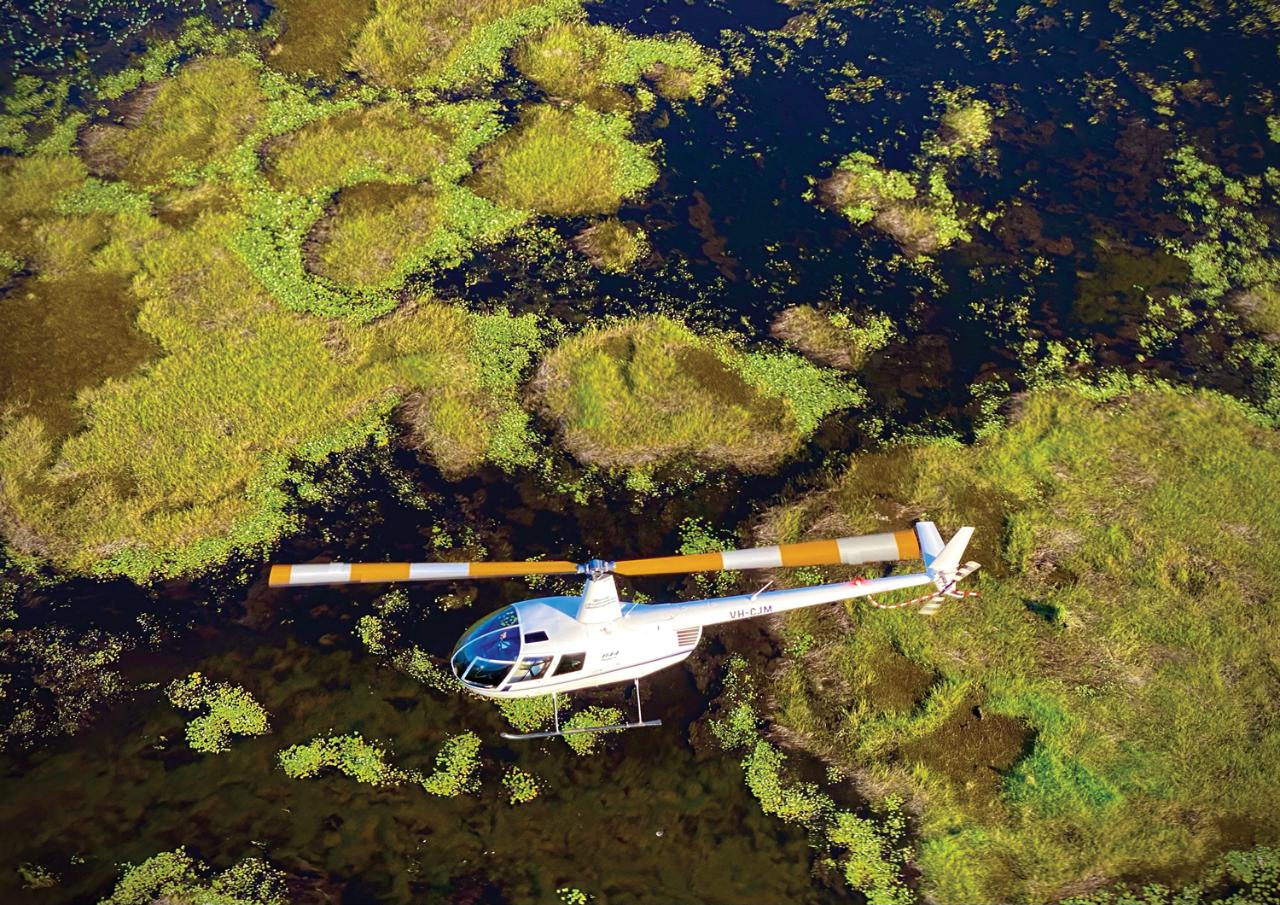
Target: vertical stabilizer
(930,542)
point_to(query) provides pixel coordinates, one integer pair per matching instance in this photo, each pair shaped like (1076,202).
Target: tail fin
(943,567)
(930,542)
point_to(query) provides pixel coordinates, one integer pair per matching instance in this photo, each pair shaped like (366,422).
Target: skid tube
(640,723)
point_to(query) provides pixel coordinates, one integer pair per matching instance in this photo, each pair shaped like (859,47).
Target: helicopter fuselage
(557,644)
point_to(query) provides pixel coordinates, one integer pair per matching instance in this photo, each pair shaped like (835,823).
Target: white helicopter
(550,645)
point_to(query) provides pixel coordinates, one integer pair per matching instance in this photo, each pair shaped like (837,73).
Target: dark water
(1077,174)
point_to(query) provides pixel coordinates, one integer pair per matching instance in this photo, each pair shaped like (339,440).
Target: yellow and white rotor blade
(367,572)
(890,546)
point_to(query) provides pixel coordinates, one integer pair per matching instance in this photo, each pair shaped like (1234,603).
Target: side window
(570,663)
(530,668)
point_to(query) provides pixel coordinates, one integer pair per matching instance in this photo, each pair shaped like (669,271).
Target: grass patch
(1260,308)
(916,210)
(316,35)
(370,237)
(650,391)
(194,380)
(1142,517)
(85,323)
(445,44)
(182,123)
(594,64)
(833,338)
(152,485)
(612,245)
(564,162)
(389,141)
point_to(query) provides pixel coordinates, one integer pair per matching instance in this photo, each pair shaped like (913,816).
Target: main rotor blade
(365,572)
(888,547)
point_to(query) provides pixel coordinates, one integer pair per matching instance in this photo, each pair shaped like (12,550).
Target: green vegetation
(612,245)
(232,711)
(370,238)
(175,877)
(651,391)
(457,766)
(564,162)
(232,204)
(833,338)
(917,211)
(1261,308)
(444,44)
(871,850)
(317,35)
(349,754)
(529,714)
(592,64)
(966,125)
(183,124)
(457,763)
(390,141)
(1063,725)
(522,787)
(585,743)
(1239,878)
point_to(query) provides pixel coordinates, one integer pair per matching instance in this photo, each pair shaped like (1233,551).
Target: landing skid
(640,723)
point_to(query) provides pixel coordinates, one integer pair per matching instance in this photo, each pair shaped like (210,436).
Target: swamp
(465,280)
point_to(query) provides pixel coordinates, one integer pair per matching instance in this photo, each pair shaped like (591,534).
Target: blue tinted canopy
(487,652)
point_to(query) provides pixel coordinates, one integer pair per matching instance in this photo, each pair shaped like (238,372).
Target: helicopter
(558,644)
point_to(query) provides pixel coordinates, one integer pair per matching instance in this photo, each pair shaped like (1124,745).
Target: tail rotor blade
(361,573)
(887,547)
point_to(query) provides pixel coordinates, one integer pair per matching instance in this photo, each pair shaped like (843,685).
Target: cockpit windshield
(489,650)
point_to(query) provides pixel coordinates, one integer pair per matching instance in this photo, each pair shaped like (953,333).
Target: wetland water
(649,820)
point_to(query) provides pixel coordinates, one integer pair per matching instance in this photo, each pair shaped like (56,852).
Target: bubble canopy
(488,650)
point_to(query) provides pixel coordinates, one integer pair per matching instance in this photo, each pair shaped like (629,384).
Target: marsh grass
(371,234)
(1120,645)
(389,141)
(189,120)
(85,323)
(611,245)
(199,371)
(594,64)
(650,391)
(316,35)
(155,468)
(833,338)
(564,162)
(444,44)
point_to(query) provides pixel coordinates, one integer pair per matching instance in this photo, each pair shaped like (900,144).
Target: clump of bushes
(871,851)
(457,767)
(349,754)
(232,711)
(177,877)
(922,219)
(587,742)
(916,209)
(529,714)
(594,64)
(522,786)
